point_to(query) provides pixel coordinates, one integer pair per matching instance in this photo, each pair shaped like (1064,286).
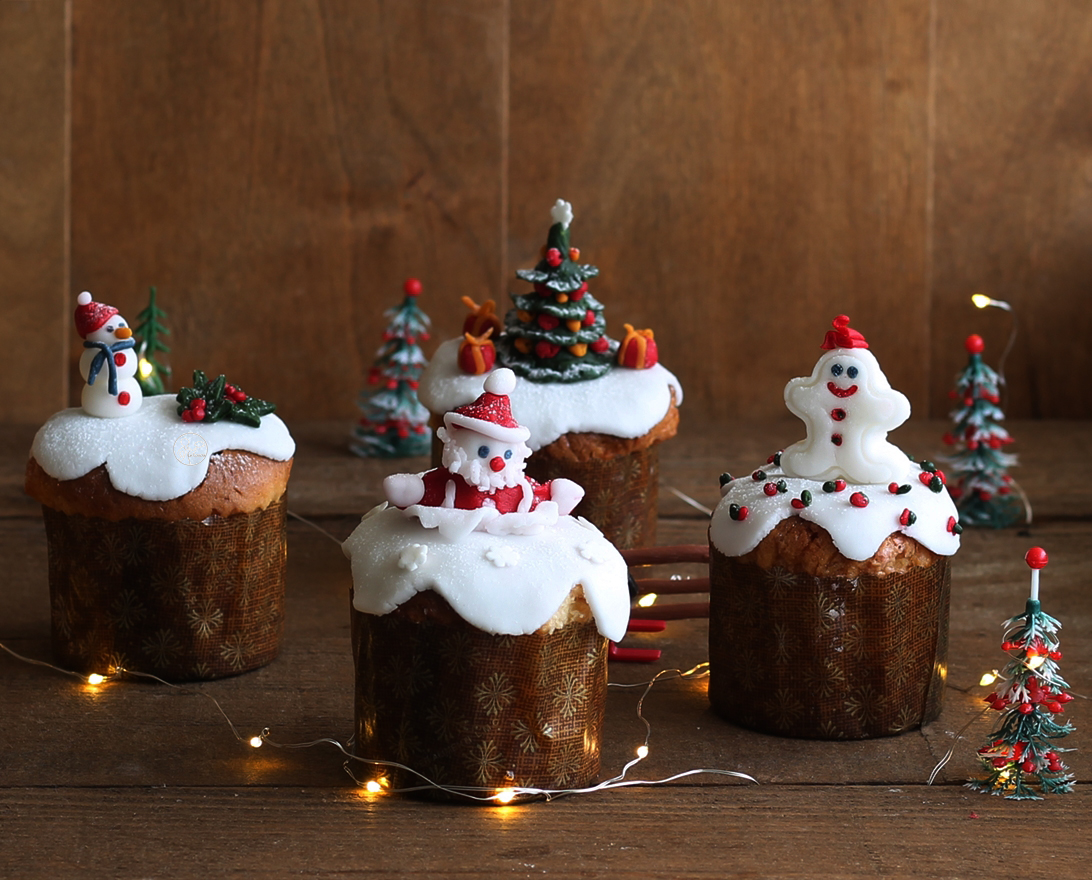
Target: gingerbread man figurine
(848,407)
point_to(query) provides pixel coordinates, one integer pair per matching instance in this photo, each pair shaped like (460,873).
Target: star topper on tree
(1020,755)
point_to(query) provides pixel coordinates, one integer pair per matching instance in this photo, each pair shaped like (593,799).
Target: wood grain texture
(278,168)
(741,173)
(769,832)
(1014,197)
(33,205)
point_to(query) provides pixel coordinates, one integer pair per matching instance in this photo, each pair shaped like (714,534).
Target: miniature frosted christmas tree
(982,488)
(152,375)
(1020,756)
(394,423)
(557,333)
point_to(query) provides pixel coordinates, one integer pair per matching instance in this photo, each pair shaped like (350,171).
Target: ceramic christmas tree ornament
(985,493)
(393,422)
(1021,759)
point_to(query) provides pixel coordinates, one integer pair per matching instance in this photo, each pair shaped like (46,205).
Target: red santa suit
(445,489)
(490,416)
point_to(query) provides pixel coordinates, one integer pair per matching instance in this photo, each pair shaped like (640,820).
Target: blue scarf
(106,356)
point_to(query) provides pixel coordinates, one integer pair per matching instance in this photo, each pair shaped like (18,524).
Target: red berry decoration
(974,344)
(858,499)
(547,321)
(600,345)
(546,350)
(412,287)
(554,258)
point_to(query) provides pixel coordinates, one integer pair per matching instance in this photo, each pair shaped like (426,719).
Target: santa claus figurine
(483,461)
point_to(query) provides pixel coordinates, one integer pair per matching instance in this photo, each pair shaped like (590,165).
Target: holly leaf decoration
(214,400)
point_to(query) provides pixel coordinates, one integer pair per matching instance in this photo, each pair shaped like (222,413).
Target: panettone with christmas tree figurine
(597,408)
(481,613)
(829,567)
(165,518)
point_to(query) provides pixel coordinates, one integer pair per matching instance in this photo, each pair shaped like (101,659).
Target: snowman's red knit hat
(843,336)
(491,413)
(91,315)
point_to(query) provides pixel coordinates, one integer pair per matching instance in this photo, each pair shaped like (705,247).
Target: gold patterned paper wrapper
(183,600)
(827,658)
(621,494)
(465,707)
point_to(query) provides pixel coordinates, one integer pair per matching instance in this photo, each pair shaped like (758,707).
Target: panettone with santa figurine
(829,566)
(597,408)
(165,518)
(481,614)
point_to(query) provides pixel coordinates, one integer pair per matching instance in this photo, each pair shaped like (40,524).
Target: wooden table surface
(142,780)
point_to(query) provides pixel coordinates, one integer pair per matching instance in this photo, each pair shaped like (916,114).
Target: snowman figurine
(109,364)
(483,462)
(848,407)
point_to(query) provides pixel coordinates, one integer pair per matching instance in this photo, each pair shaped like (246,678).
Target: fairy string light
(380,785)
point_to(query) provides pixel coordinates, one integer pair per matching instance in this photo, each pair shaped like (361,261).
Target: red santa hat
(491,413)
(843,336)
(91,315)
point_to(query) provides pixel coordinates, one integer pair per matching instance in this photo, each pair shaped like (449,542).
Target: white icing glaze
(847,397)
(857,532)
(506,585)
(146,454)
(622,403)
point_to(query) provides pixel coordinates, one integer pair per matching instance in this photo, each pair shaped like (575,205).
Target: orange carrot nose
(123,333)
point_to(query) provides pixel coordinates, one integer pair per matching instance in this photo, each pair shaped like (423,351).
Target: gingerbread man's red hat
(843,336)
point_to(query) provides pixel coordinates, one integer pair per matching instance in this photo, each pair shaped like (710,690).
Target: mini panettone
(597,408)
(480,616)
(829,567)
(165,521)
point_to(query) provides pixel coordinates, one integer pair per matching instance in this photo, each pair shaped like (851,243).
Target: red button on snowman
(848,407)
(109,364)
(483,465)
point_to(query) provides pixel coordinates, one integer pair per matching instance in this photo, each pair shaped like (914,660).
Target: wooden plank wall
(740,172)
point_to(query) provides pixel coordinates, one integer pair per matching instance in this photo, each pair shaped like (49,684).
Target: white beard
(476,471)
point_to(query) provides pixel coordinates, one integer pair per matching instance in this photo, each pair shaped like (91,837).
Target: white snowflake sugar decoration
(592,552)
(502,557)
(413,557)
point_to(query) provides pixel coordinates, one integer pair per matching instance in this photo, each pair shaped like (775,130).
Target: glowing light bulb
(95,678)
(505,796)
(373,787)
(642,751)
(988,678)
(1036,661)
(145,367)
(256,742)
(982,301)
(647,600)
